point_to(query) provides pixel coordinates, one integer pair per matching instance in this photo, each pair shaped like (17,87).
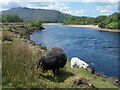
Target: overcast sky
(90,8)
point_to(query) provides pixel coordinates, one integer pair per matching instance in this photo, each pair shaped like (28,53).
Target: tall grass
(17,60)
(6,36)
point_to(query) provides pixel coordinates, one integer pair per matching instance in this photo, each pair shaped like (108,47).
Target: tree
(11,18)
(100,18)
(111,22)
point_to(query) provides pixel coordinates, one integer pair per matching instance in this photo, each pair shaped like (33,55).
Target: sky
(91,8)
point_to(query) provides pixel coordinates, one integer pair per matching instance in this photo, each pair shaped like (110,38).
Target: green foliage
(79,20)
(113,25)
(11,18)
(100,19)
(24,29)
(52,21)
(111,22)
(36,23)
(102,24)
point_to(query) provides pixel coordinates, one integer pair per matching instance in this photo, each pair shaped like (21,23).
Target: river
(97,48)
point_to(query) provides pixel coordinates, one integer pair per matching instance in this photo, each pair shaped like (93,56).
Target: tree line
(110,22)
(10,18)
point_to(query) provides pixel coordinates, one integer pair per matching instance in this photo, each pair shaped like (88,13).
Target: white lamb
(79,63)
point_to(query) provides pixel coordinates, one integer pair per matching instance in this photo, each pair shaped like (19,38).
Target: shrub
(6,36)
(11,18)
(113,25)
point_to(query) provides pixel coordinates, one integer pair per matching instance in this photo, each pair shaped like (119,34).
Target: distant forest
(110,22)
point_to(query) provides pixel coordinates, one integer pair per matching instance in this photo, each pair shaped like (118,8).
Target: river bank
(51,23)
(24,56)
(95,27)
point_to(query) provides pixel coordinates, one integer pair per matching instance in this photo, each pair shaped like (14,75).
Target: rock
(81,80)
(91,69)
(99,74)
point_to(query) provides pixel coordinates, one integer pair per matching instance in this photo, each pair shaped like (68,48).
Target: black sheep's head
(40,62)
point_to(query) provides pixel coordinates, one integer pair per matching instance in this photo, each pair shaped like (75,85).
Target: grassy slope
(18,56)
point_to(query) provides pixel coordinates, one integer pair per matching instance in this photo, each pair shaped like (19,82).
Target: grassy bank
(19,55)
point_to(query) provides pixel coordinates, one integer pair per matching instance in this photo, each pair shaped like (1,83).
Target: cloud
(77,12)
(63,6)
(106,9)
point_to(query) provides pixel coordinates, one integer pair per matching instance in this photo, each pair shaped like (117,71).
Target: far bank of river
(95,27)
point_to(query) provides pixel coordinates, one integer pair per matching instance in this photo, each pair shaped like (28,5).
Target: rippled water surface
(97,48)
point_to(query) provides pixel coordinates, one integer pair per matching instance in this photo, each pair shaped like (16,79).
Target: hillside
(34,14)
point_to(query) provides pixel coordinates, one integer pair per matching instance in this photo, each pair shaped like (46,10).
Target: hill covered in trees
(102,21)
(33,14)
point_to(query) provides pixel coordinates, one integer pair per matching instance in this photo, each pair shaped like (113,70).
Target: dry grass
(6,36)
(17,60)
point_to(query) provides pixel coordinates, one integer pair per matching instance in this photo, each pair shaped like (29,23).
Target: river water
(97,48)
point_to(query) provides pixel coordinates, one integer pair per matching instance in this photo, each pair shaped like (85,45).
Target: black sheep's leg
(53,72)
(57,72)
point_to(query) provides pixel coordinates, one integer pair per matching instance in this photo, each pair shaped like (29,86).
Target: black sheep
(55,58)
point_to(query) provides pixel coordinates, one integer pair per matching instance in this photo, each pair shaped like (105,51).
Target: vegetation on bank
(110,22)
(10,18)
(19,56)
(23,29)
(79,20)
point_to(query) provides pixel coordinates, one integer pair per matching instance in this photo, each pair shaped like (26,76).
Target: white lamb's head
(85,65)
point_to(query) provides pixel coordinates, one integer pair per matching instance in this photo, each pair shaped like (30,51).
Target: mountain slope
(34,14)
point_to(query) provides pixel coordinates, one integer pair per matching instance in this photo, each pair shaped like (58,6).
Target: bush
(113,25)
(36,23)
(6,36)
(11,18)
